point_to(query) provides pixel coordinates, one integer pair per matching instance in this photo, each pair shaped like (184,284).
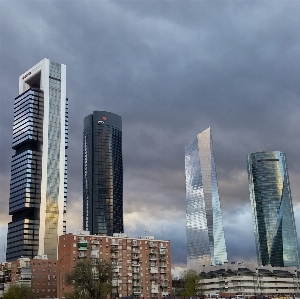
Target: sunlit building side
(204,226)
(272,210)
(38,186)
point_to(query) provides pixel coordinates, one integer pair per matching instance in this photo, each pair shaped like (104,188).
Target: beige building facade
(249,280)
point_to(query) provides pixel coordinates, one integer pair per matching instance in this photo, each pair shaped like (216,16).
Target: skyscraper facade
(102,174)
(272,209)
(38,187)
(204,226)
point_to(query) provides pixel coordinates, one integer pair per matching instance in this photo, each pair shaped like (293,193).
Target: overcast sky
(171,69)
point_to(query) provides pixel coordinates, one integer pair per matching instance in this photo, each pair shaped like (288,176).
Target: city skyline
(38,188)
(204,225)
(272,210)
(170,69)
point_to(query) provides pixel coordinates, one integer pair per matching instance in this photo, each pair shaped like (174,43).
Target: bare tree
(91,279)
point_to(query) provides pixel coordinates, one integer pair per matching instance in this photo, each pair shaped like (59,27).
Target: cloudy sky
(170,69)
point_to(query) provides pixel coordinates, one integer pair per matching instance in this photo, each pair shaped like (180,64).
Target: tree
(193,283)
(178,285)
(91,279)
(19,292)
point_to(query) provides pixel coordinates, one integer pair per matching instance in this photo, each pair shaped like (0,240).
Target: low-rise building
(21,271)
(5,277)
(250,280)
(44,277)
(142,265)
(39,273)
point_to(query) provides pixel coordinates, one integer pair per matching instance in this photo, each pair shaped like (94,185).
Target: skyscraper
(272,209)
(102,174)
(38,187)
(204,226)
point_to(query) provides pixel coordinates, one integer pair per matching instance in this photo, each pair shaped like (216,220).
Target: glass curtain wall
(272,209)
(205,233)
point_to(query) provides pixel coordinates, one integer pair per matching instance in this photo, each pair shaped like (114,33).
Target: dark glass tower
(38,186)
(102,174)
(272,210)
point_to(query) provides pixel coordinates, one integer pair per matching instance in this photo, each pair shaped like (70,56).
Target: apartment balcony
(95,242)
(136,292)
(162,251)
(24,282)
(136,283)
(114,242)
(95,254)
(135,244)
(135,277)
(82,248)
(82,255)
(152,258)
(153,269)
(135,257)
(154,290)
(114,249)
(152,245)
(115,282)
(135,251)
(154,278)
(163,265)
(82,244)
(164,294)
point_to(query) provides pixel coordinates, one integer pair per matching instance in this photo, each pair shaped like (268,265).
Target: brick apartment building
(38,273)
(142,265)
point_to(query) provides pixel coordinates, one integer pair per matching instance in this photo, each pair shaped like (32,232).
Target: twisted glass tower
(204,226)
(102,174)
(38,186)
(272,209)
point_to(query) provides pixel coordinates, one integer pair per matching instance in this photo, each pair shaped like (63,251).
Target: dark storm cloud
(170,69)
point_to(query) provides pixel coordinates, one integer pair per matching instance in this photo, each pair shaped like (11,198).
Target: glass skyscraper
(38,187)
(272,210)
(204,226)
(102,174)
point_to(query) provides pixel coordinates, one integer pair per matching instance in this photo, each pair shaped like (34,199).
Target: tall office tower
(272,210)
(102,173)
(204,226)
(38,187)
